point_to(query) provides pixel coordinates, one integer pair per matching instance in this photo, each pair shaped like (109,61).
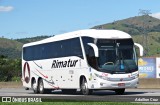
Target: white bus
(86,60)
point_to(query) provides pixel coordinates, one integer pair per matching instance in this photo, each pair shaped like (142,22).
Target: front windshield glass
(116,56)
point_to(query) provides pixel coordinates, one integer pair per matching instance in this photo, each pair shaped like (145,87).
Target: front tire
(84,88)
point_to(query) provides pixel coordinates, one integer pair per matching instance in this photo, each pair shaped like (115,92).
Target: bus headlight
(134,75)
(101,77)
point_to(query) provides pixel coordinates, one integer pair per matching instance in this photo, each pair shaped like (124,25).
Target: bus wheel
(34,86)
(119,91)
(84,88)
(41,88)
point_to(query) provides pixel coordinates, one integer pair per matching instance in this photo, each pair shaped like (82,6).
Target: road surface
(131,95)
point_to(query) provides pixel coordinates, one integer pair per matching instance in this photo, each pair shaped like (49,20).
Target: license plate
(121,84)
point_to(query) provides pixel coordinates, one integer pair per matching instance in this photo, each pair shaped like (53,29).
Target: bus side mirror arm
(140,48)
(95,48)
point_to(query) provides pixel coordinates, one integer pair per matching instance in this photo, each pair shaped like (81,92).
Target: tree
(9,68)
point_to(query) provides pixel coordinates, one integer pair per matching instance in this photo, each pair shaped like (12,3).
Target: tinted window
(65,48)
(75,48)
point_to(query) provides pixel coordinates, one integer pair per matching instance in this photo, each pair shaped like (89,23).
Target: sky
(30,18)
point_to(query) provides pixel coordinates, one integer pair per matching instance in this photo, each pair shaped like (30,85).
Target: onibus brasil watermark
(21,99)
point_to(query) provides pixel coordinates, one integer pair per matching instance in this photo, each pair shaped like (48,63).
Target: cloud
(156,15)
(6,8)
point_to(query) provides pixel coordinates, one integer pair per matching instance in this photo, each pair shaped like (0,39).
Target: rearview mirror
(140,48)
(95,48)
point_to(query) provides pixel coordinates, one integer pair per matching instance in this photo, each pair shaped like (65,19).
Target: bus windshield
(116,56)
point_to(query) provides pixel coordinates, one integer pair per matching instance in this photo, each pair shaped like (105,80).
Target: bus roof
(94,33)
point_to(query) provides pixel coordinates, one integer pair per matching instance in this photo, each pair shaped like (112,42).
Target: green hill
(144,30)
(13,48)
(10,48)
(32,39)
(134,25)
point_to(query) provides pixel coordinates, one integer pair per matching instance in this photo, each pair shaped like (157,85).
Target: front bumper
(104,84)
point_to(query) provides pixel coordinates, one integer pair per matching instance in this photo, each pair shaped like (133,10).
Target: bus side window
(76,48)
(66,48)
(27,53)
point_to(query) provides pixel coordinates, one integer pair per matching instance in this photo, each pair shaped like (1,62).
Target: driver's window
(91,58)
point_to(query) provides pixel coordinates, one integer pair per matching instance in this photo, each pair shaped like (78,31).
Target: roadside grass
(75,103)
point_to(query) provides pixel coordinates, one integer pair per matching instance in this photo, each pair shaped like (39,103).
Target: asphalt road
(131,95)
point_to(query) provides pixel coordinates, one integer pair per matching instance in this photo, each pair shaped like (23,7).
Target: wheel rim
(41,87)
(84,88)
(34,85)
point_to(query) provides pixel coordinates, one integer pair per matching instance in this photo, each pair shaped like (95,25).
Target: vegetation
(153,43)
(33,39)
(10,52)
(13,48)
(10,48)
(10,69)
(134,25)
